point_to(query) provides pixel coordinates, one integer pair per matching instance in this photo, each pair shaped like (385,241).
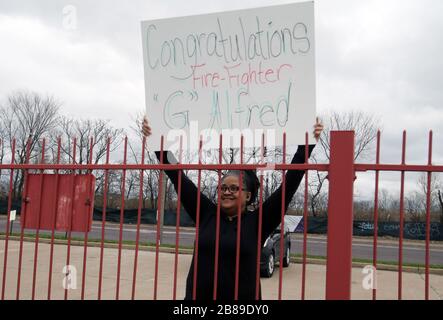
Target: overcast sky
(379,56)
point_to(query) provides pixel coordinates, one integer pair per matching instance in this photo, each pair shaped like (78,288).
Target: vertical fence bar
(282,219)
(260,224)
(89,205)
(5,260)
(54,222)
(159,207)
(197,224)
(37,235)
(139,214)
(177,222)
(377,173)
(428,219)
(402,189)
(102,243)
(23,212)
(71,217)
(239,212)
(122,211)
(217,223)
(305,221)
(340,216)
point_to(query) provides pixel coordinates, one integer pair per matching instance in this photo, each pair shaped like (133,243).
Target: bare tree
(2,147)
(436,193)
(91,135)
(319,205)
(2,156)
(365,127)
(315,186)
(97,131)
(440,203)
(422,183)
(384,203)
(363,210)
(27,117)
(415,206)
(150,177)
(297,203)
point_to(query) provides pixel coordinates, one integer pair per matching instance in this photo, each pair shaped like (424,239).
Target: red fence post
(340,216)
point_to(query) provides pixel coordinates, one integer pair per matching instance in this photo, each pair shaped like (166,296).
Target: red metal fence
(55,209)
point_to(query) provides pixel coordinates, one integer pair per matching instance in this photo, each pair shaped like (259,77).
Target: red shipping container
(68,203)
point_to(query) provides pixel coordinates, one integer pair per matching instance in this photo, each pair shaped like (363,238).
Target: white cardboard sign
(249,72)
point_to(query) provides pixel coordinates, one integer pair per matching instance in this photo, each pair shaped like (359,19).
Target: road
(387,250)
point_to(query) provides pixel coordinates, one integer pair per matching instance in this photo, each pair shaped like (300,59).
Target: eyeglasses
(232,188)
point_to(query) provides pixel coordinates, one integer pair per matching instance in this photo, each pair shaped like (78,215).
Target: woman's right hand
(318,129)
(146,129)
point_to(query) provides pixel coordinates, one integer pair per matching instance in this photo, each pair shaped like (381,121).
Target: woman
(230,188)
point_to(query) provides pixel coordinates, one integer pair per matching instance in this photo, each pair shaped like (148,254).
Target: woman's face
(229,197)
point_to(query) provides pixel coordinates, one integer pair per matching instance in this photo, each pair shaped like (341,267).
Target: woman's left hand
(318,129)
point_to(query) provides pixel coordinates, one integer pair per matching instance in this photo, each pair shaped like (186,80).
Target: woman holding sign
(232,194)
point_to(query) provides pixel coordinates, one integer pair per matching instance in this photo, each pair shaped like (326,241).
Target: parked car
(270,255)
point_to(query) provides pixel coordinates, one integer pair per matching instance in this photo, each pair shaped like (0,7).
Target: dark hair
(250,181)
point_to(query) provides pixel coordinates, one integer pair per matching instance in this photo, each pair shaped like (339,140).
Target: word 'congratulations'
(246,44)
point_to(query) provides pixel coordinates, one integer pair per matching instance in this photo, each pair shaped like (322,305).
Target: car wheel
(268,269)
(287,258)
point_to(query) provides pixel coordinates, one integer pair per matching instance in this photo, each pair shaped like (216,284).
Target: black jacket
(271,215)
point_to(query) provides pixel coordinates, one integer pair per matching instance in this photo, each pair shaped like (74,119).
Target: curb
(80,243)
(384,267)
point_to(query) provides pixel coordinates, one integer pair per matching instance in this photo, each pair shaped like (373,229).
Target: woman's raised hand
(146,129)
(318,129)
